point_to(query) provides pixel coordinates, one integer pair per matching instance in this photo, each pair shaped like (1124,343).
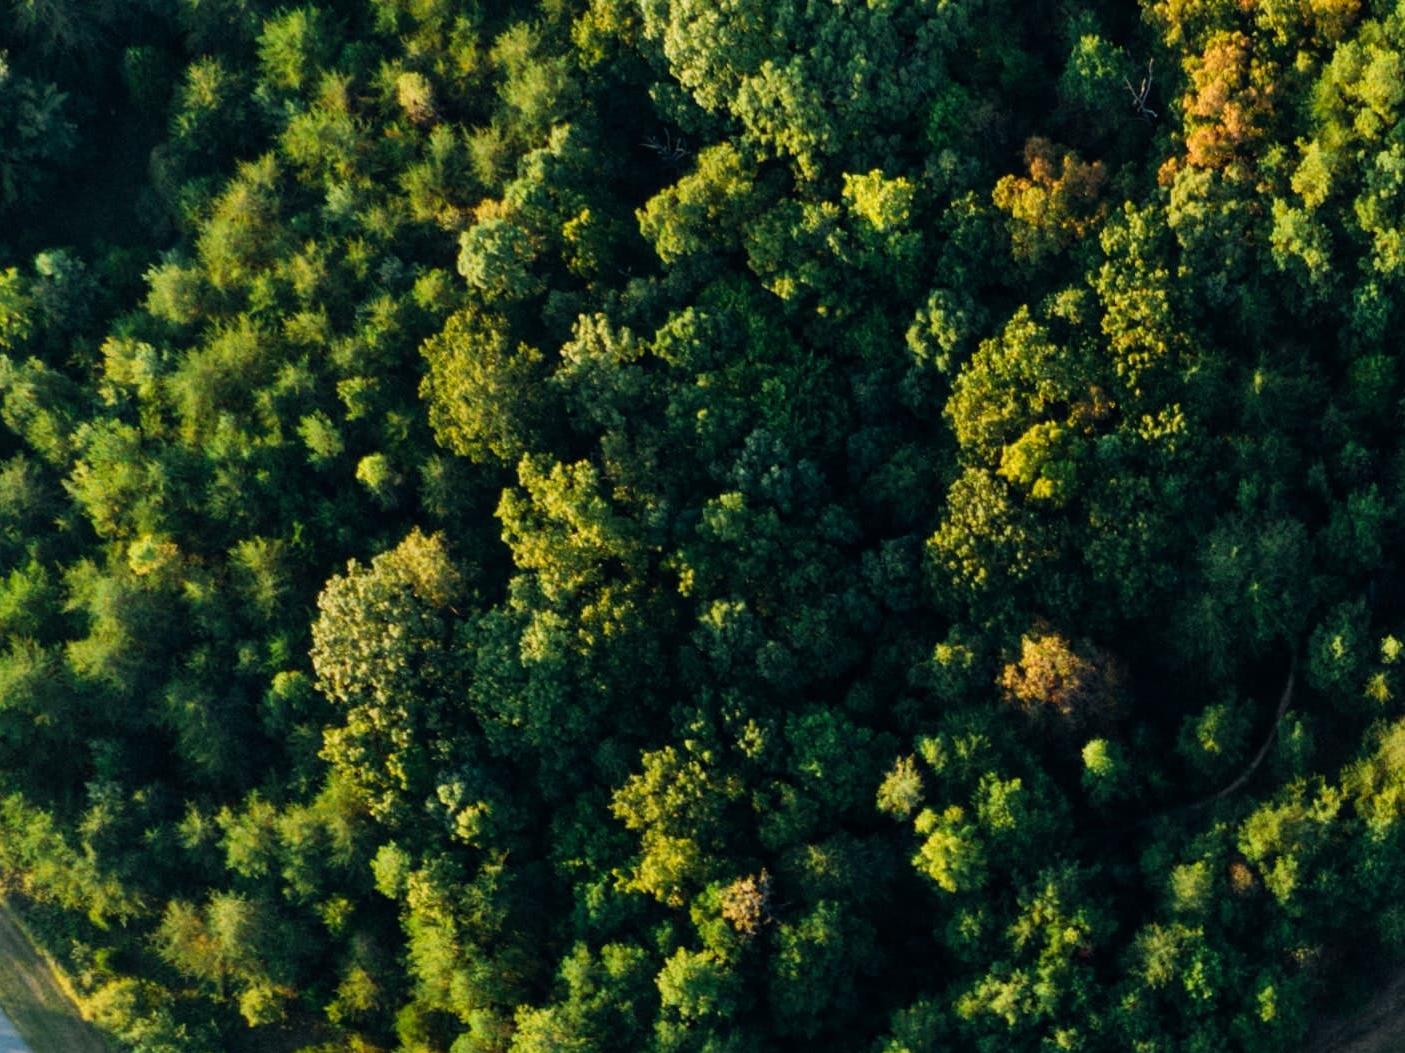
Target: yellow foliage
(1055,205)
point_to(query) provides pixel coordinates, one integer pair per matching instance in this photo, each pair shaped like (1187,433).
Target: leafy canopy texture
(704,526)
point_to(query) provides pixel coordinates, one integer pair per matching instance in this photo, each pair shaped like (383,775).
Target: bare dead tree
(1141,93)
(670,150)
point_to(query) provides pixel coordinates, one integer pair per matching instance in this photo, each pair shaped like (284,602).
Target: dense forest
(704,526)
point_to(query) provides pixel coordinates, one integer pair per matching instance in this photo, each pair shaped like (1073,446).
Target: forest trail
(10,1039)
(1378,1027)
(34,1001)
(1284,701)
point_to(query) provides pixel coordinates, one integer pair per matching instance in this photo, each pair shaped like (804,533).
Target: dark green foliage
(710,526)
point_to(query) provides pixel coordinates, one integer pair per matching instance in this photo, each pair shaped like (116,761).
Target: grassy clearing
(34,997)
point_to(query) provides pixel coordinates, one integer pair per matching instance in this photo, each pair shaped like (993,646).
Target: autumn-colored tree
(1074,685)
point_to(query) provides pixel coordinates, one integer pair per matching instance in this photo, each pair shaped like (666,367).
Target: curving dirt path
(1283,703)
(10,1040)
(1377,1028)
(39,1014)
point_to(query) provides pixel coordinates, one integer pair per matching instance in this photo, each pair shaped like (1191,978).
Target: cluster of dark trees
(704,526)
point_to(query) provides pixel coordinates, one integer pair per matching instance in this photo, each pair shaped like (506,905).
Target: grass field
(33,996)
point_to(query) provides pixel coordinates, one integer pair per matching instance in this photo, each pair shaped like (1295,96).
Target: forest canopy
(704,526)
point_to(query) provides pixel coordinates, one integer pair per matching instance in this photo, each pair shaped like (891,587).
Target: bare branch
(1141,92)
(670,150)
